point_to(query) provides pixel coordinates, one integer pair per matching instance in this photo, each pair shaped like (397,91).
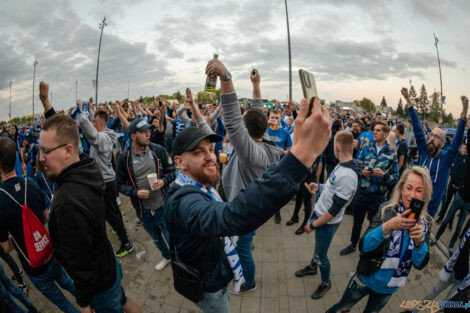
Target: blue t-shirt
(364,139)
(280,137)
(219,131)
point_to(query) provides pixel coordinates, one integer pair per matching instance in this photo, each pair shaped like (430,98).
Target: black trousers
(113,215)
(364,203)
(451,190)
(12,264)
(303,196)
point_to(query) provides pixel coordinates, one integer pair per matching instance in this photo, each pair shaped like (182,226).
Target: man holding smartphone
(379,173)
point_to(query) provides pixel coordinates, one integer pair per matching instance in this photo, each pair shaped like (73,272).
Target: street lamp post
(101,26)
(76,92)
(9,112)
(290,60)
(34,77)
(440,73)
(128,82)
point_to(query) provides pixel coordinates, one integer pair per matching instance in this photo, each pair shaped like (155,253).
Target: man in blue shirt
(280,137)
(432,154)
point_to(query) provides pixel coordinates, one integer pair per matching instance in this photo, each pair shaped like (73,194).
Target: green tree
(383,103)
(400,111)
(367,105)
(422,103)
(435,109)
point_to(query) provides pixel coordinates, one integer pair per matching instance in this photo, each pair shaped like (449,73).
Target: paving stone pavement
(278,253)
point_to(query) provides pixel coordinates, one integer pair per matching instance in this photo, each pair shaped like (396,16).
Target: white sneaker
(118,200)
(162,264)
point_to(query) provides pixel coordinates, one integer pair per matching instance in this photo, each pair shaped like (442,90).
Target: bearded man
(431,153)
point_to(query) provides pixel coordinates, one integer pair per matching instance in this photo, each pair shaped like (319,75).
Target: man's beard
(142,144)
(204,179)
(433,150)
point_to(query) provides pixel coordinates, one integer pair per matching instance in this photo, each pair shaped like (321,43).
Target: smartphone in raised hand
(309,88)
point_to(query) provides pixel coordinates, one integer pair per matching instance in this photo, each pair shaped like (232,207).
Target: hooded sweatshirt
(78,232)
(250,158)
(339,190)
(439,167)
(102,144)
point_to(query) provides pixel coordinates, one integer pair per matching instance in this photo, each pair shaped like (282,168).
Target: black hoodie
(78,232)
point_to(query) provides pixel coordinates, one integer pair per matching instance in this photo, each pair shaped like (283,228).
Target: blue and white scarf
(392,260)
(229,248)
(446,272)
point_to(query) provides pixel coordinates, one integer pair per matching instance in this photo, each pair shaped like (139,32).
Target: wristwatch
(312,227)
(226,76)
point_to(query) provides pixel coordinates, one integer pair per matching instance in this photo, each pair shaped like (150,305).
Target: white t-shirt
(342,183)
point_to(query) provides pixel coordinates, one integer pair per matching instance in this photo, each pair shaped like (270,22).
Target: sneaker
(292,221)
(300,231)
(243,289)
(118,200)
(15,277)
(321,290)
(277,219)
(432,243)
(347,250)
(439,220)
(138,223)
(24,289)
(308,270)
(162,264)
(125,250)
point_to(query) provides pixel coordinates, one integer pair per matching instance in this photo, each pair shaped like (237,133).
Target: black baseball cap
(138,125)
(190,137)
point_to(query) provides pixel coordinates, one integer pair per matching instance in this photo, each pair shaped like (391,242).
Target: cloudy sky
(355,48)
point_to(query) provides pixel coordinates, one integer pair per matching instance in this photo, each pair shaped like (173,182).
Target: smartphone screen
(416,207)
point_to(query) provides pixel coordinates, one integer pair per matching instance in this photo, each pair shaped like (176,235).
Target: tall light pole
(128,82)
(76,92)
(9,112)
(290,61)
(440,73)
(101,26)
(34,77)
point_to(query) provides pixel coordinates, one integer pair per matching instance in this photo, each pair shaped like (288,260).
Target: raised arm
(418,131)
(201,122)
(44,97)
(458,138)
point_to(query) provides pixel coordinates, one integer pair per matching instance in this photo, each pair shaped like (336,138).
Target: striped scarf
(229,248)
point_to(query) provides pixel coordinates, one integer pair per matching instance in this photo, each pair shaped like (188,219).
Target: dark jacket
(78,231)
(125,173)
(464,189)
(369,262)
(196,223)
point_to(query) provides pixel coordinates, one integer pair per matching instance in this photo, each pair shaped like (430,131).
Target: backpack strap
(25,189)
(11,197)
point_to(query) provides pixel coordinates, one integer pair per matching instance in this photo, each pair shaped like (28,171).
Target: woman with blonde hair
(392,244)
(392,140)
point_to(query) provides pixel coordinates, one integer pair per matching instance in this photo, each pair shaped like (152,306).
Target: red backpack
(36,238)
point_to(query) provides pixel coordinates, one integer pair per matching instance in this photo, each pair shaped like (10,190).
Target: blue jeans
(354,292)
(323,236)
(464,208)
(245,254)
(7,289)
(215,302)
(155,226)
(113,299)
(46,284)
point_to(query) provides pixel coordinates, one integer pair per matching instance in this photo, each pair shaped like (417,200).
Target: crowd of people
(203,177)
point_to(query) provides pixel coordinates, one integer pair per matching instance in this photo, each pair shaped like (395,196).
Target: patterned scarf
(392,260)
(446,272)
(229,248)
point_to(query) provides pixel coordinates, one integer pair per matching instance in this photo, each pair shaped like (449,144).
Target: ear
(179,162)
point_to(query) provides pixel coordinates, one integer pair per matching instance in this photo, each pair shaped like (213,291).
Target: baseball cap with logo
(138,125)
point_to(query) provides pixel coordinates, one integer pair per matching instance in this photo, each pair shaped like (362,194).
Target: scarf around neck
(229,248)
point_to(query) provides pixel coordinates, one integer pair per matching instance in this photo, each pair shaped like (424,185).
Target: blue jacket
(125,178)
(439,167)
(196,222)
(458,170)
(386,160)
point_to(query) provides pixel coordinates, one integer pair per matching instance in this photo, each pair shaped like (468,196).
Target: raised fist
(405,94)
(255,77)
(43,91)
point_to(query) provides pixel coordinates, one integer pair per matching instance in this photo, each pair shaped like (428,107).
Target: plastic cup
(152,178)
(223,157)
